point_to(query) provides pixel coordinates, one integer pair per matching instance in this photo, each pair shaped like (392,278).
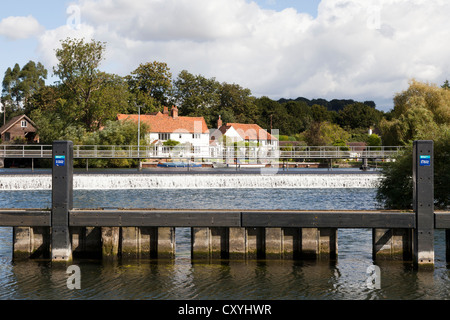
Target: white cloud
(20,27)
(353,49)
(50,40)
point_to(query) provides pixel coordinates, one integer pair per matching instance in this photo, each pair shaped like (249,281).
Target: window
(163,136)
(196,135)
(23,123)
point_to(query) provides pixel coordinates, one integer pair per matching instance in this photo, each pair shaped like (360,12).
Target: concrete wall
(264,243)
(208,243)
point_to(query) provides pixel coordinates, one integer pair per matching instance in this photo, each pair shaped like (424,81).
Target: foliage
(422,112)
(359,115)
(395,189)
(19,85)
(77,68)
(171,143)
(151,85)
(325,134)
(374,140)
(199,96)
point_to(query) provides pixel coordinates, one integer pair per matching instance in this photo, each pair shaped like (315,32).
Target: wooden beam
(24,218)
(154,218)
(329,219)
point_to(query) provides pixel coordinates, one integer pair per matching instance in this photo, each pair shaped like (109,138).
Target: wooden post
(62,200)
(423,203)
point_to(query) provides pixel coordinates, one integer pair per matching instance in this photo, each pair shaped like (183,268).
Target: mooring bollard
(423,203)
(62,200)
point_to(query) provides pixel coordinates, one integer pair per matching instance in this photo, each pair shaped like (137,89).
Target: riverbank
(194,180)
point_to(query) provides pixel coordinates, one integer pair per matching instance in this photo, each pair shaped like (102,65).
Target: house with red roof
(190,132)
(247,136)
(241,132)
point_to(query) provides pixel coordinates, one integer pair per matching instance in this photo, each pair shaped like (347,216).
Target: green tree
(198,96)
(239,101)
(359,115)
(423,110)
(299,116)
(19,85)
(78,70)
(151,85)
(320,113)
(273,115)
(325,134)
(374,140)
(396,186)
(31,79)
(112,98)
(10,93)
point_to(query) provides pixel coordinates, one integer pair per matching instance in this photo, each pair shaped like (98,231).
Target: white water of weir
(193,181)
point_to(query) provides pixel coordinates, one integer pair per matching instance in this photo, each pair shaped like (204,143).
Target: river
(347,278)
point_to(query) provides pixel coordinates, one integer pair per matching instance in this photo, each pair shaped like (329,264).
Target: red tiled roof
(165,123)
(250,131)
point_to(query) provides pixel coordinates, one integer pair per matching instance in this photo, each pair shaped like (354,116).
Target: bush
(396,187)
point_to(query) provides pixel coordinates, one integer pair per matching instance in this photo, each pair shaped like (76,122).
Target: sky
(330,49)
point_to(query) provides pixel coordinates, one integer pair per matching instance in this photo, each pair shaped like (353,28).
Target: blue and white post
(423,202)
(62,200)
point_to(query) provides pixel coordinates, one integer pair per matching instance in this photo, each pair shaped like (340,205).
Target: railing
(206,152)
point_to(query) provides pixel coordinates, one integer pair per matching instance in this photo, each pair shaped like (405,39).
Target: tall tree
(239,101)
(32,78)
(77,67)
(151,85)
(20,84)
(423,110)
(359,115)
(10,92)
(198,96)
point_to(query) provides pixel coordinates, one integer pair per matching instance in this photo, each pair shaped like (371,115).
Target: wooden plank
(154,218)
(24,218)
(329,219)
(442,219)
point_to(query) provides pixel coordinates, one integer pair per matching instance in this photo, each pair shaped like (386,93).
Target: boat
(179,164)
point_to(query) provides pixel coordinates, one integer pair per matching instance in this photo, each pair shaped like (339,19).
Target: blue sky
(52,14)
(343,49)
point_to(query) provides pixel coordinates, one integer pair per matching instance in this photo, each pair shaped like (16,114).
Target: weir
(63,233)
(193,181)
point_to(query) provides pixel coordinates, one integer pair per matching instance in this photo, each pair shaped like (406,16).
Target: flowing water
(344,279)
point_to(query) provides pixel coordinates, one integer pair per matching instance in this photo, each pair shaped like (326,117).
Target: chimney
(219,122)
(174,112)
(166,110)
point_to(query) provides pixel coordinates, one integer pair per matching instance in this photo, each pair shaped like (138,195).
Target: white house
(255,141)
(191,132)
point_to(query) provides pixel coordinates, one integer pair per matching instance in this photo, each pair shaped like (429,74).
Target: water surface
(344,279)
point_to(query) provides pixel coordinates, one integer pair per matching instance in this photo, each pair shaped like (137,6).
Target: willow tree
(422,112)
